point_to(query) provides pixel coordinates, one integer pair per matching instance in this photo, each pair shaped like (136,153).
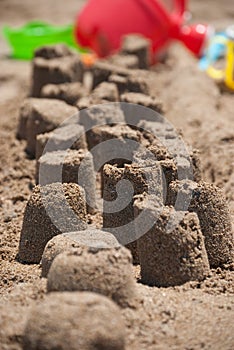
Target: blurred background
(19,12)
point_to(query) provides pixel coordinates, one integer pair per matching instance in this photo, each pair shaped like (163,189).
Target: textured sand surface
(196,315)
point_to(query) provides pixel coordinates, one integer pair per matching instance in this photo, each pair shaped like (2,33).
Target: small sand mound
(103,271)
(62,203)
(74,321)
(209,203)
(70,240)
(172,251)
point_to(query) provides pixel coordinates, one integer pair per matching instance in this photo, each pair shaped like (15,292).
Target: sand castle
(158,159)
(191,226)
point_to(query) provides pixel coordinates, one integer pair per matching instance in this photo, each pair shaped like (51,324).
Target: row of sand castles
(167,188)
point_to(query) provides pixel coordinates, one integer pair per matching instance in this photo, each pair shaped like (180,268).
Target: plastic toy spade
(102,24)
(25,40)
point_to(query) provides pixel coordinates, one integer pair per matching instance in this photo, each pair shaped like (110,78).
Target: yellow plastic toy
(225,75)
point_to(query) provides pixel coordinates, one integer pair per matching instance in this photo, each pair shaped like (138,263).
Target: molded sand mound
(139,46)
(70,166)
(72,136)
(106,91)
(63,202)
(68,241)
(74,321)
(54,65)
(138,179)
(211,207)
(172,251)
(144,100)
(38,116)
(103,271)
(67,92)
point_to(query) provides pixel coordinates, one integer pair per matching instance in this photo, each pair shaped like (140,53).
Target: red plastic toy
(102,23)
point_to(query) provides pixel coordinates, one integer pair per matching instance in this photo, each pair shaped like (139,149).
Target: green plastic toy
(25,40)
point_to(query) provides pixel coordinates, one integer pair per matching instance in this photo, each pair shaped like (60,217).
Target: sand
(196,315)
(108,333)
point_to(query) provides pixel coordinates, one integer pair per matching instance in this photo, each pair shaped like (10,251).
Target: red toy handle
(155,7)
(180,7)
